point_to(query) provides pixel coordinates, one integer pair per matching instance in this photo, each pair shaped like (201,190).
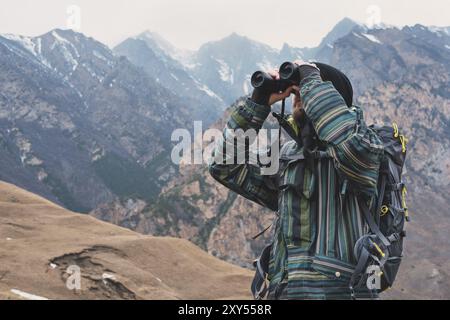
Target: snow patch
(100,56)
(92,73)
(245,87)
(207,91)
(191,66)
(64,44)
(25,42)
(27,295)
(440,30)
(225,72)
(447,46)
(108,276)
(372,38)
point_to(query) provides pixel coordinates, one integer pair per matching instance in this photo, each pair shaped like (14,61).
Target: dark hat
(339,80)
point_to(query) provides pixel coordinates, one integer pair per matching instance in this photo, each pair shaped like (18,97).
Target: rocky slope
(40,240)
(80,125)
(157,58)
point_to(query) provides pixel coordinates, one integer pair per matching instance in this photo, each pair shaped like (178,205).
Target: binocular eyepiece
(289,76)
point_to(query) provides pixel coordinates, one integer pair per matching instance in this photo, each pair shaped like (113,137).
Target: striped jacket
(319,219)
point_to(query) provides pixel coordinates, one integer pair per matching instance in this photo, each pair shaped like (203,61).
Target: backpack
(382,246)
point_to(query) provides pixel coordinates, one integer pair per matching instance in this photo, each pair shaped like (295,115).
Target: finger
(287,92)
(292,89)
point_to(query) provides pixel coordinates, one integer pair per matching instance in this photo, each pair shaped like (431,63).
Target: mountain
(371,57)
(325,48)
(288,53)
(115,263)
(157,58)
(80,125)
(163,47)
(87,128)
(218,68)
(223,67)
(226,66)
(399,75)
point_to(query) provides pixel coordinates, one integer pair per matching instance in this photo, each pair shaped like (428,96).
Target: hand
(265,98)
(296,101)
(275,97)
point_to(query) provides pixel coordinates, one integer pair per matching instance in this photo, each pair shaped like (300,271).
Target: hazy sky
(189,23)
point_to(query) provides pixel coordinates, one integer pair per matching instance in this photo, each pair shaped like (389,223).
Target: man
(318,188)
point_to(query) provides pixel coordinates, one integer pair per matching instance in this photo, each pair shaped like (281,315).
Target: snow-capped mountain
(325,48)
(379,59)
(163,47)
(157,58)
(221,69)
(80,125)
(226,65)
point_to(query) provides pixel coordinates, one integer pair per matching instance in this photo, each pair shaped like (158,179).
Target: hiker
(326,171)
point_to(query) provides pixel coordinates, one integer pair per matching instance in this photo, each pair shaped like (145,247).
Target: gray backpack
(381,249)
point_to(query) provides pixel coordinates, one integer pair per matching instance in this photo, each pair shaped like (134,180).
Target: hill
(39,240)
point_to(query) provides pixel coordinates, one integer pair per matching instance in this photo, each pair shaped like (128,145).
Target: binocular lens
(287,70)
(257,79)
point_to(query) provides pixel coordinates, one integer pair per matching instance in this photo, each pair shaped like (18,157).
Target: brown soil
(40,240)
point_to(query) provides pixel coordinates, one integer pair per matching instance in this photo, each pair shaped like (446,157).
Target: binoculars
(289,75)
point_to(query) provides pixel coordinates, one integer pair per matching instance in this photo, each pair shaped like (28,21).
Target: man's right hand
(259,95)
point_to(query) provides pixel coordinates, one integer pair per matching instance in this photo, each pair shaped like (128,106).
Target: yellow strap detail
(293,125)
(378,249)
(395,126)
(404,193)
(405,207)
(403,141)
(384,210)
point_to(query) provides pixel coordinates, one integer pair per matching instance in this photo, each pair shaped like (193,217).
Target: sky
(190,23)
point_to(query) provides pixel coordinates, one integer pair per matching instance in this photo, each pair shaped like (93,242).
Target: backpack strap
(372,223)
(259,286)
(359,270)
(380,198)
(259,234)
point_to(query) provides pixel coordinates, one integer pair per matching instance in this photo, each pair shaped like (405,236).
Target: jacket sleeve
(245,179)
(355,148)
